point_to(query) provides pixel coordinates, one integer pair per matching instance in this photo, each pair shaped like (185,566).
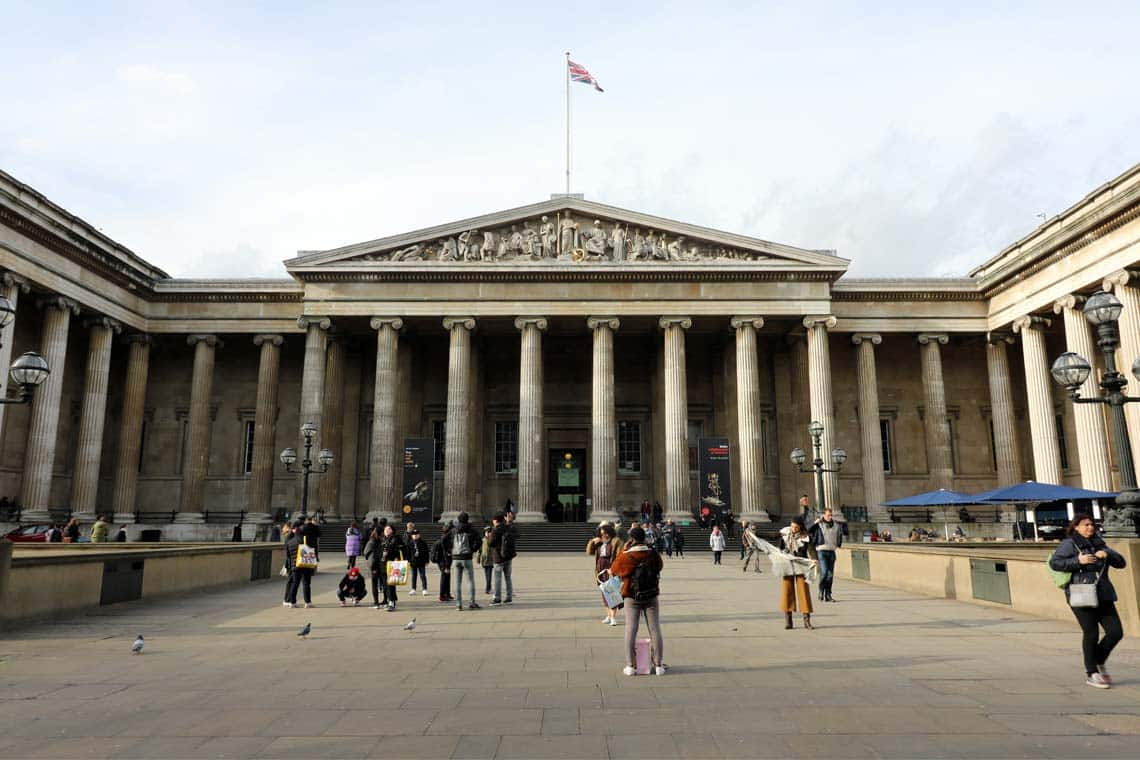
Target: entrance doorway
(567,486)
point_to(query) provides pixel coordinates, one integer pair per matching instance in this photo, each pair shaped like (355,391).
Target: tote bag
(611,591)
(306,557)
(397,572)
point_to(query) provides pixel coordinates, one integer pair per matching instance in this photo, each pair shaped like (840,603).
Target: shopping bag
(643,657)
(306,557)
(611,591)
(398,573)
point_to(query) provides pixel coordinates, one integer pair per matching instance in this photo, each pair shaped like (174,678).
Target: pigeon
(137,647)
(305,631)
(411,626)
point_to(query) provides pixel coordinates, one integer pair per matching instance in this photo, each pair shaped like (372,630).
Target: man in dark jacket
(409,529)
(441,556)
(351,585)
(504,548)
(418,554)
(465,541)
(311,534)
(827,536)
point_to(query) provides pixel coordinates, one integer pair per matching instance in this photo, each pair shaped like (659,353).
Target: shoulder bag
(1082,595)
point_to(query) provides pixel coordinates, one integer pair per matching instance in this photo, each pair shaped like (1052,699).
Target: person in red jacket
(639,589)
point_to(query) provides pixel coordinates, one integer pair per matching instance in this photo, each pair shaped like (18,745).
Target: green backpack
(1060,579)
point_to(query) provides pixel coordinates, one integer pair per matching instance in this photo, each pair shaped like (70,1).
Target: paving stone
(322,746)
(476,747)
(540,747)
(638,745)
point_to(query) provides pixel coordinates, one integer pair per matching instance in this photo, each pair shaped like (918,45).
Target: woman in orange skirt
(794,591)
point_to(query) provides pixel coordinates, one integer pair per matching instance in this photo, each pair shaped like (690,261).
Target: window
(247,448)
(696,430)
(1062,446)
(439,435)
(885,442)
(507,448)
(629,447)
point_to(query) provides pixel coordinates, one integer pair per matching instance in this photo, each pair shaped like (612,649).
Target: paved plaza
(885,674)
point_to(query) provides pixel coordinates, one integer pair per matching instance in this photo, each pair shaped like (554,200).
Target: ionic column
(939,456)
(532,432)
(313,377)
(332,424)
(751,445)
(603,428)
(197,460)
(1123,284)
(1006,450)
(874,479)
(1092,438)
(382,500)
(1046,450)
(456,448)
(89,447)
(130,428)
(10,287)
(677,502)
(822,405)
(260,504)
(43,427)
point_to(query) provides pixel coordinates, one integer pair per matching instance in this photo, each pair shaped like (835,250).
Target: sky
(916,139)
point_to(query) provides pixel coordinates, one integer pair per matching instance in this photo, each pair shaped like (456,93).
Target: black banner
(419,459)
(715,479)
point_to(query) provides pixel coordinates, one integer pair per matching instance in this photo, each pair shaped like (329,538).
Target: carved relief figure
(568,234)
(466,251)
(547,240)
(635,245)
(411,253)
(449,251)
(617,242)
(595,240)
(676,249)
(487,250)
(517,240)
(532,245)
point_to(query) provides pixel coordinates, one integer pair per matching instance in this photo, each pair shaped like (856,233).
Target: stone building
(565,332)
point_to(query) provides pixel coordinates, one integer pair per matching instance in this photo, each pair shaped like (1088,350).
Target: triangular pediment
(566,230)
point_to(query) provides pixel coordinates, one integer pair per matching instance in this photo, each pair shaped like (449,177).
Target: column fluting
(750,447)
(456,446)
(532,429)
(1006,450)
(1122,283)
(1092,435)
(1046,450)
(939,454)
(822,405)
(126,481)
(11,285)
(196,462)
(265,428)
(383,501)
(874,477)
(603,431)
(332,424)
(89,446)
(677,492)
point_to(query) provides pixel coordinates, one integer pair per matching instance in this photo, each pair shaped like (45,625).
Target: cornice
(571,273)
(906,289)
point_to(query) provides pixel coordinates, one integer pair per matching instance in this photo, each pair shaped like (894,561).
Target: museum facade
(567,356)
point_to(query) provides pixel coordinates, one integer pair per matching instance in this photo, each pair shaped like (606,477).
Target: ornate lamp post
(799,456)
(28,370)
(1102,310)
(289,457)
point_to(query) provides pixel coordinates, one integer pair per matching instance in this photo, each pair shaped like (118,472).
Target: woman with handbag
(794,591)
(382,548)
(1091,595)
(604,547)
(300,578)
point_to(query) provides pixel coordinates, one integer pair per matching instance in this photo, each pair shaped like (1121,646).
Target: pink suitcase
(643,657)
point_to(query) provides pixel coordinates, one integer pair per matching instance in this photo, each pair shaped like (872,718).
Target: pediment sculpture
(564,237)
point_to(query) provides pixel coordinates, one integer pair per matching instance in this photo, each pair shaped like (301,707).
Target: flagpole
(567,122)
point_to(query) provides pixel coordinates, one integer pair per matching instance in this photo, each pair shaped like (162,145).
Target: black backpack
(508,548)
(437,552)
(646,580)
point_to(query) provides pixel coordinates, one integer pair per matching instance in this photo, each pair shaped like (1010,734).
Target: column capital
(467,323)
(740,321)
(145,339)
(1071,301)
(538,322)
(377,323)
(1030,322)
(872,338)
(683,322)
(593,323)
(113,325)
(59,302)
(210,340)
(940,338)
(1120,278)
(270,338)
(305,322)
(827,321)
(13,280)
(999,336)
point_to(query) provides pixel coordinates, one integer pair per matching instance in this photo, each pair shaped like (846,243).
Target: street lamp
(1071,370)
(27,371)
(799,457)
(289,458)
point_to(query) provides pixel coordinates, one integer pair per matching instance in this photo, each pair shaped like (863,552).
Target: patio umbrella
(941,497)
(1032,492)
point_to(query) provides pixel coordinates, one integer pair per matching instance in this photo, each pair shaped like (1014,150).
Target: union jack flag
(578,73)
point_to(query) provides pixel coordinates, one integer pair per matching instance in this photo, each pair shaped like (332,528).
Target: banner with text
(715,478)
(419,461)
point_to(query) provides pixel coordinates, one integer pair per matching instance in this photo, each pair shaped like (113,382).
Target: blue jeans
(422,573)
(826,571)
(487,570)
(458,568)
(501,571)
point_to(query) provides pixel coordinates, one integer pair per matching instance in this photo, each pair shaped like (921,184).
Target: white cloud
(145,73)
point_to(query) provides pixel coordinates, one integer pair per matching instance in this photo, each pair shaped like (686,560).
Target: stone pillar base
(759,516)
(530,517)
(189,518)
(120,518)
(258,518)
(38,516)
(86,517)
(376,514)
(601,516)
(450,515)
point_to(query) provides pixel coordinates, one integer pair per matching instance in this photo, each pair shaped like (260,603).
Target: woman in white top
(716,543)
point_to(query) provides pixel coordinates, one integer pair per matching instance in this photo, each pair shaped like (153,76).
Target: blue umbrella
(940,498)
(1032,491)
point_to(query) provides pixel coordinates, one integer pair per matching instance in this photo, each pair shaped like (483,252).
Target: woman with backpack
(352,544)
(1087,557)
(441,557)
(604,547)
(640,567)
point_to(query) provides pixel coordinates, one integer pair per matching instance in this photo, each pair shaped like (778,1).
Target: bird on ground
(411,625)
(137,647)
(306,630)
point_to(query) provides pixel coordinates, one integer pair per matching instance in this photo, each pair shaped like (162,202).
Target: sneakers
(355,602)
(613,621)
(286,604)
(474,606)
(391,608)
(1097,681)
(412,592)
(458,607)
(342,603)
(659,670)
(508,600)
(307,605)
(629,671)
(496,602)
(606,619)
(1104,674)
(376,606)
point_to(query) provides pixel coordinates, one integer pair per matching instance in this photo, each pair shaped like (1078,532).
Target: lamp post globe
(1102,308)
(29,370)
(1070,370)
(288,456)
(839,456)
(7,312)
(799,456)
(325,457)
(308,430)
(815,429)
